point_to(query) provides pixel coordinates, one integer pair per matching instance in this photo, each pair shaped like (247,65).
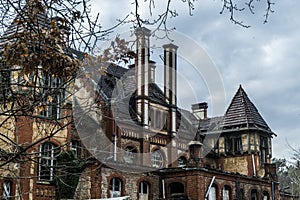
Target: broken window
(47,161)
(6,190)
(157,159)
(254,194)
(233,145)
(130,154)
(226,192)
(176,188)
(212,193)
(263,150)
(115,187)
(144,190)
(266,195)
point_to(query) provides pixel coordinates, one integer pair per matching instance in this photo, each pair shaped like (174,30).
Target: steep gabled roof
(41,21)
(243,113)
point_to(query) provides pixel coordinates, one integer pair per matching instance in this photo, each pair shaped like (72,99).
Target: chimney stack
(170,82)
(200,110)
(152,71)
(195,149)
(142,71)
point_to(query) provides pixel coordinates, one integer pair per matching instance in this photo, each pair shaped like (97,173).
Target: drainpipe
(115,147)
(163,188)
(253,164)
(209,187)
(273,191)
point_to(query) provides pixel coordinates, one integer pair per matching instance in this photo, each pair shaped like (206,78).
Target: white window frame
(144,195)
(7,185)
(113,186)
(47,155)
(52,88)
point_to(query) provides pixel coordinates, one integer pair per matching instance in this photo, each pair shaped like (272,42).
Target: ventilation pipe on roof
(142,74)
(170,81)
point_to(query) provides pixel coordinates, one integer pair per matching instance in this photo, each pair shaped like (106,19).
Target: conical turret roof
(243,113)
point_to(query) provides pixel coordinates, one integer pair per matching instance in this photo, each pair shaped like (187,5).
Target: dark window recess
(176,188)
(263,150)
(254,195)
(233,145)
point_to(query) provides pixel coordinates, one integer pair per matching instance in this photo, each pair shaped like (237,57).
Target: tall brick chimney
(142,70)
(170,81)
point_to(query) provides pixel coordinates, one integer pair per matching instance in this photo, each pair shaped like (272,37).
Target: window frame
(263,147)
(112,187)
(53,94)
(130,154)
(233,145)
(225,195)
(7,194)
(47,161)
(157,158)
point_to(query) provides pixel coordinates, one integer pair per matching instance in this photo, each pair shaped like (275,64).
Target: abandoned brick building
(157,151)
(169,150)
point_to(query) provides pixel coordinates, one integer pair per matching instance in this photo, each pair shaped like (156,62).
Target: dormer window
(158,119)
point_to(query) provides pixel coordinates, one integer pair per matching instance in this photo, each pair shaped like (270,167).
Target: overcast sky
(263,58)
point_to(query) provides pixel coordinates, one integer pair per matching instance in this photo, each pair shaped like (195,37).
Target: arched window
(115,187)
(130,154)
(7,185)
(182,161)
(144,190)
(157,159)
(212,193)
(47,161)
(226,192)
(266,195)
(254,194)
